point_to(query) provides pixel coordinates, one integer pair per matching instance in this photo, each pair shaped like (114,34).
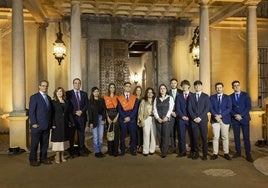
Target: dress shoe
(181,155)
(151,153)
(195,156)
(133,153)
(97,155)
(34,163)
(236,155)
(163,156)
(204,158)
(214,157)
(227,157)
(145,154)
(101,154)
(46,162)
(249,159)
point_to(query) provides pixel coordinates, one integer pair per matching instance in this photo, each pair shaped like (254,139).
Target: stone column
(204,46)
(18,59)
(252,53)
(75,68)
(17,120)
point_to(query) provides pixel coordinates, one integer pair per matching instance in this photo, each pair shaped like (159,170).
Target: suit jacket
(242,107)
(200,108)
(224,109)
(181,105)
(83,103)
(39,112)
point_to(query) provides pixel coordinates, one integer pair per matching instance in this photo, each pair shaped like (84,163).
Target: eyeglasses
(236,85)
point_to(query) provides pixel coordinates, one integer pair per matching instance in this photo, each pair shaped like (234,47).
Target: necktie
(78,100)
(127,97)
(197,97)
(174,93)
(236,97)
(219,99)
(185,96)
(46,99)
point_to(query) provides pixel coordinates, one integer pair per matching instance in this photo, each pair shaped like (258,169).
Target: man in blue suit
(241,105)
(79,101)
(220,109)
(40,122)
(181,105)
(127,108)
(198,108)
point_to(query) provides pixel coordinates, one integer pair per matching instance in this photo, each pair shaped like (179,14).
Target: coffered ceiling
(219,10)
(43,10)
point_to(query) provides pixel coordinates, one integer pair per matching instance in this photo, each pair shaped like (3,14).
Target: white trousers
(149,135)
(223,129)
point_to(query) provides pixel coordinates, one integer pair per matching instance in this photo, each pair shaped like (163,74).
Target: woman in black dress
(62,118)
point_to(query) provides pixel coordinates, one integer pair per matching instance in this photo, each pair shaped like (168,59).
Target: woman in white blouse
(163,107)
(147,122)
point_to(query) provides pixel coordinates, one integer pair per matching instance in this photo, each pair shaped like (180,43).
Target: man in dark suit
(128,109)
(220,109)
(79,101)
(174,92)
(198,108)
(183,125)
(40,115)
(241,105)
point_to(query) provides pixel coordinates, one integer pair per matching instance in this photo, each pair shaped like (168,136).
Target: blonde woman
(62,118)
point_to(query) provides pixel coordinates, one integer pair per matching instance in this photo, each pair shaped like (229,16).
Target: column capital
(75,2)
(252,2)
(202,2)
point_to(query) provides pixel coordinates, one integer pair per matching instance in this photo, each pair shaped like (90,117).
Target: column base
(256,125)
(18,132)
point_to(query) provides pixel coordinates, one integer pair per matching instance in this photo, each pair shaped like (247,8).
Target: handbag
(110,134)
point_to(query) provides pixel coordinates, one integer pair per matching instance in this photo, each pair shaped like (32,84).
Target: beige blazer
(145,110)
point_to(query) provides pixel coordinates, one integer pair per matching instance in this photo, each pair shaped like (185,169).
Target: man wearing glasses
(241,105)
(40,120)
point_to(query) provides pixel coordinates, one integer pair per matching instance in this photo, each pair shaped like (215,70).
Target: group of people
(147,119)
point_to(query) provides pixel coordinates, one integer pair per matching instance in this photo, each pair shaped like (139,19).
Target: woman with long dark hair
(163,107)
(147,122)
(96,113)
(112,114)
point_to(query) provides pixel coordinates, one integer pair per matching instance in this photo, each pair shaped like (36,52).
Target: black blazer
(62,119)
(200,108)
(96,108)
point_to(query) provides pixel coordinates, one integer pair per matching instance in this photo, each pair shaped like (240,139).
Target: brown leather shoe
(34,163)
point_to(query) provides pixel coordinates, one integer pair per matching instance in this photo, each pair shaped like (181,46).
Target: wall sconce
(194,47)
(59,50)
(136,78)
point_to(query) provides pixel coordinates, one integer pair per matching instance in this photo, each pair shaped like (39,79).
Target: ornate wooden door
(114,64)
